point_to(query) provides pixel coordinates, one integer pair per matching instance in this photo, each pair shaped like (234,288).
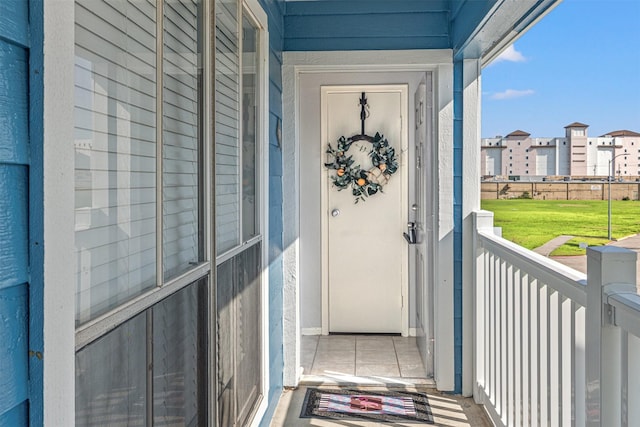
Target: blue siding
(13,348)
(36,211)
(371,25)
(13,104)
(14,16)
(274,9)
(14,258)
(18,416)
(466,15)
(457,220)
(14,213)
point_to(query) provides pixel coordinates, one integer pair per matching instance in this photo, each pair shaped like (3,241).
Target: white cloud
(512,93)
(510,54)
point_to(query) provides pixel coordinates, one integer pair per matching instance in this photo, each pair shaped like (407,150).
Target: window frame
(90,331)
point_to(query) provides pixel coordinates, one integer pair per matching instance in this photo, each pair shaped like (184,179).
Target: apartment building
(576,154)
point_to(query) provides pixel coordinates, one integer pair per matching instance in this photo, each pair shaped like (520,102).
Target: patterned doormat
(340,404)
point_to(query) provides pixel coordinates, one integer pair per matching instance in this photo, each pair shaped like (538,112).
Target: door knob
(335,212)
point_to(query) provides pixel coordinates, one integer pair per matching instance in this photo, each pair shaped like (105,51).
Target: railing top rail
(626,311)
(569,282)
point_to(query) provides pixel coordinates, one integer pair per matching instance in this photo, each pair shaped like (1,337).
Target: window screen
(115,149)
(227,127)
(181,134)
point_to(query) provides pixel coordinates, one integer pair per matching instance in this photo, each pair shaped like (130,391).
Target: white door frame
(404,177)
(440,63)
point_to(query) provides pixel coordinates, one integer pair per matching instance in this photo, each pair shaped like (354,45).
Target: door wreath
(363,182)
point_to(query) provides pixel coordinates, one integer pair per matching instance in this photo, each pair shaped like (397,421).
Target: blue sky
(580,63)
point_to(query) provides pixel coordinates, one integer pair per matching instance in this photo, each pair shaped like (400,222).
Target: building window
(511,150)
(578,132)
(590,142)
(526,164)
(121,132)
(527,172)
(510,157)
(526,157)
(518,142)
(564,142)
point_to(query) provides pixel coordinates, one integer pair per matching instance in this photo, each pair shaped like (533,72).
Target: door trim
(403,89)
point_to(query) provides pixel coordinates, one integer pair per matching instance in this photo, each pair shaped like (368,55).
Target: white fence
(551,347)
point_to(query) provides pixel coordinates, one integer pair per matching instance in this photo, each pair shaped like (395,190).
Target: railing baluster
(579,372)
(567,360)
(492,332)
(517,343)
(555,357)
(543,355)
(503,343)
(526,353)
(509,395)
(534,330)
(633,387)
(488,372)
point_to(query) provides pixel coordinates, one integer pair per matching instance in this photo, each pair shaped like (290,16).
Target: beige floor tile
(370,357)
(335,356)
(333,368)
(378,370)
(412,370)
(336,343)
(412,357)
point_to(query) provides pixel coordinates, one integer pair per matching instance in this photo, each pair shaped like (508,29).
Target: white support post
(483,220)
(607,267)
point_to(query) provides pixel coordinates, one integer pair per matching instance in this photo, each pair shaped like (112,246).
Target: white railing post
(483,221)
(606,266)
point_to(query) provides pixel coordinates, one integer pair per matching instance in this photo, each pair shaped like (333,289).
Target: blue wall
(274,9)
(465,17)
(366,25)
(14,214)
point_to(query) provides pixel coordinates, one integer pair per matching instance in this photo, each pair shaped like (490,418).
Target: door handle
(335,212)
(410,237)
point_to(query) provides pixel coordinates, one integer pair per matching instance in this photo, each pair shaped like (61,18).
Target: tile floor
(370,363)
(361,359)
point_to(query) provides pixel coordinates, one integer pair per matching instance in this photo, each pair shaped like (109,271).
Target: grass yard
(531,223)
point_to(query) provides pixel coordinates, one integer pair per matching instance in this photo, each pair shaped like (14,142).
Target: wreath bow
(363,183)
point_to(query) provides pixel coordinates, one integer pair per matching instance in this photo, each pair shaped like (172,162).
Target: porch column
(291,232)
(609,269)
(466,200)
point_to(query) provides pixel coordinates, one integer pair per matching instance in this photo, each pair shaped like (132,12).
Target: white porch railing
(551,347)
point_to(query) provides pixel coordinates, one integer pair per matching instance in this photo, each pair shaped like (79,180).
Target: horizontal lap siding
(372,25)
(14,216)
(274,9)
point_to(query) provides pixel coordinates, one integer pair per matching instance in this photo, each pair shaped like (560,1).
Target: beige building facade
(576,155)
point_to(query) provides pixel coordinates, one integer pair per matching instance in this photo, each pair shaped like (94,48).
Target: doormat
(366,405)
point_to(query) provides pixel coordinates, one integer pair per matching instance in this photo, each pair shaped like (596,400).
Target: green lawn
(531,223)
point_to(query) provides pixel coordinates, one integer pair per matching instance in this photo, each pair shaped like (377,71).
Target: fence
(553,348)
(561,190)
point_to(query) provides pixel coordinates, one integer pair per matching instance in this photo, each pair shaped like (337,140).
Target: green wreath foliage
(363,182)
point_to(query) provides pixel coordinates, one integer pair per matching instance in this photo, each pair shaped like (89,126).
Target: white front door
(365,252)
